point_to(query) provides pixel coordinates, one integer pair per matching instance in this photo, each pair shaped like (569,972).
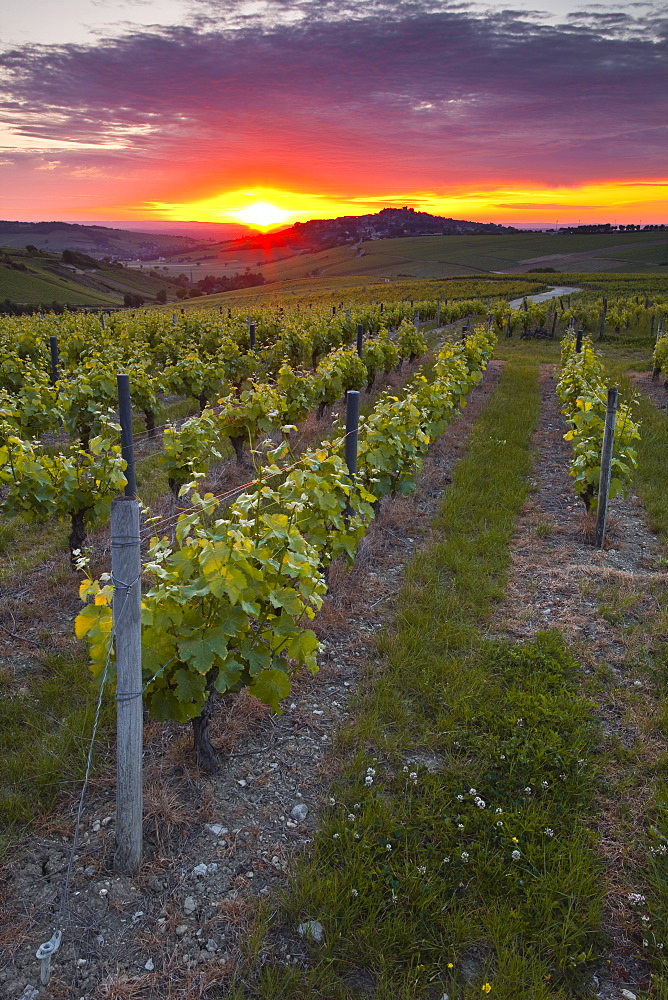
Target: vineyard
(404,707)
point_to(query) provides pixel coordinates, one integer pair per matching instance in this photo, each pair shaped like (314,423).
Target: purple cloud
(413,95)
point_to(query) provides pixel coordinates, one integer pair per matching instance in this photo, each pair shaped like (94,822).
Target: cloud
(398,96)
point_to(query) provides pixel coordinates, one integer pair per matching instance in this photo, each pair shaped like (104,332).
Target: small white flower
(460,798)
(335,836)
(581,762)
(357,836)
(456,744)
(357,806)
(351,817)
(563,777)
(446,861)
(480,802)
(472,791)
(528,789)
(460,826)
(354,892)
(368,781)
(548,831)
(422,869)
(635,898)
(498,810)
(371,771)
(405,769)
(659,945)
(520,722)
(413,776)
(645,918)
(516,855)
(388,847)
(499,822)
(332,802)
(502,757)
(544,784)
(465,855)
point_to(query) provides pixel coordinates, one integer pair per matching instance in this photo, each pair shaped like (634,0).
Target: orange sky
(631,203)
(320,110)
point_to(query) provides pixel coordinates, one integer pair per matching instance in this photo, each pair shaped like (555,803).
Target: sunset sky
(199,109)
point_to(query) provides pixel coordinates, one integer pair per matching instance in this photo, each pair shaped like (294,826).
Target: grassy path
(455,857)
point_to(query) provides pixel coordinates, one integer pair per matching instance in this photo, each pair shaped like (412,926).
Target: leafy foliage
(232,596)
(583,393)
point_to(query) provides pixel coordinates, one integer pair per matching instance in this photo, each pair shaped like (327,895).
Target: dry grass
(237,717)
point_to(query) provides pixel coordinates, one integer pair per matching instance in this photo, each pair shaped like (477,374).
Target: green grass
(440,256)
(38,285)
(45,729)
(652,879)
(650,477)
(414,882)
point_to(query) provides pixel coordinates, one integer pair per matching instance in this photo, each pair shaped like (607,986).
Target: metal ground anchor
(44,953)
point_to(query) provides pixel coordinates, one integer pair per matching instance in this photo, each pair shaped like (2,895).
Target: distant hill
(97,241)
(32,277)
(389,223)
(200,231)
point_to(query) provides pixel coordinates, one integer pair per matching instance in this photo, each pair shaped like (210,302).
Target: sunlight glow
(603,201)
(262,214)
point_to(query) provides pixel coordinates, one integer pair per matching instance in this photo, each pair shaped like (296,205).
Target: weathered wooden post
(656,371)
(53,347)
(352,429)
(126,609)
(606,466)
(604,313)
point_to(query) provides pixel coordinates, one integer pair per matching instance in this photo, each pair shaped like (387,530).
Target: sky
(199,109)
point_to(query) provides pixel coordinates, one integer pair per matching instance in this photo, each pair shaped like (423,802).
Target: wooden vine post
(606,466)
(126,578)
(53,347)
(656,371)
(604,315)
(352,429)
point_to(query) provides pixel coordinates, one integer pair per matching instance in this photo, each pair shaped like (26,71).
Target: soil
(213,845)
(559,580)
(655,388)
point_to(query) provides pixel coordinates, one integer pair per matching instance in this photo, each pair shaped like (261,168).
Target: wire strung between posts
(46,950)
(167,521)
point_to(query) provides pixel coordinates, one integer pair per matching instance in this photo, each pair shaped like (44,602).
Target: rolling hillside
(98,241)
(435,256)
(42,278)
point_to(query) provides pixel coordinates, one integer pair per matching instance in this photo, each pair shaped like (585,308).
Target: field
(41,279)
(102,241)
(39,284)
(439,257)
(469,797)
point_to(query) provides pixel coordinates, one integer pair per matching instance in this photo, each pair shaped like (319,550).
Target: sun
(262,214)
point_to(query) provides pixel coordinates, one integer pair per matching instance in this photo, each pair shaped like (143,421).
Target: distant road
(554,293)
